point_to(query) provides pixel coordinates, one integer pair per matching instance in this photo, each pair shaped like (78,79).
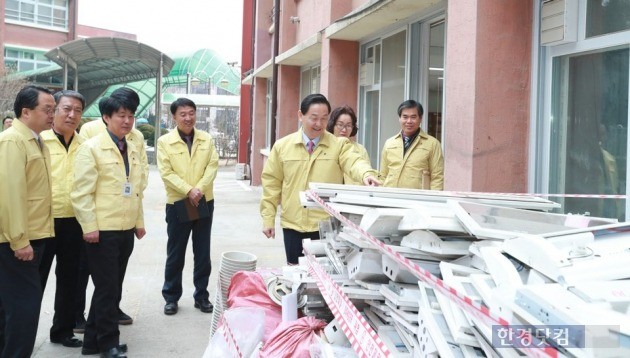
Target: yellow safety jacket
(290,168)
(99,183)
(25,189)
(181,170)
(135,137)
(360,150)
(424,154)
(62,168)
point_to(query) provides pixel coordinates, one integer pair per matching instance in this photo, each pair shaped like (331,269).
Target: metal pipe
(274,76)
(158,106)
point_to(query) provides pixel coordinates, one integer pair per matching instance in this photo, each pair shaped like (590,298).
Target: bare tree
(10,85)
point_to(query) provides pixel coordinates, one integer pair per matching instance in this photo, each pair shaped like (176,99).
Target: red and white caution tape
(230,339)
(362,337)
(587,196)
(464,302)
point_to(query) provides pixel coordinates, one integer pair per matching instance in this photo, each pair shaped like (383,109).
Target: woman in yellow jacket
(309,155)
(107,199)
(343,123)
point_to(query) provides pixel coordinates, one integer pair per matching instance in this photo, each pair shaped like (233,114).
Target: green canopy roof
(203,65)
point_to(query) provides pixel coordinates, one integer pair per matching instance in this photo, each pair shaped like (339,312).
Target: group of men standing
(409,159)
(63,192)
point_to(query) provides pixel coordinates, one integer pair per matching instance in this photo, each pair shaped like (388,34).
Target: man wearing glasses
(25,219)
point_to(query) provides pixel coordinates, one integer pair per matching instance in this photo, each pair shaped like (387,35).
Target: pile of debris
(422,273)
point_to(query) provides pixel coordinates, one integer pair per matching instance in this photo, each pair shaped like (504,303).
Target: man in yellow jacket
(135,137)
(107,200)
(63,142)
(25,219)
(309,155)
(188,163)
(412,158)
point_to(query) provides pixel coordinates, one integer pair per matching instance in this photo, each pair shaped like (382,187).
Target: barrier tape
(364,341)
(229,338)
(464,302)
(588,196)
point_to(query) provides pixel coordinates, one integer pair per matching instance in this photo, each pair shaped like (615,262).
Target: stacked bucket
(231,263)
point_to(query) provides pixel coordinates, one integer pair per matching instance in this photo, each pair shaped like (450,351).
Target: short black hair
(312,99)
(69,93)
(336,113)
(28,97)
(410,103)
(182,102)
(5,119)
(129,96)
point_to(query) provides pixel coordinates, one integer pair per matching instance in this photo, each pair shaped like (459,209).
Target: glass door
(589,130)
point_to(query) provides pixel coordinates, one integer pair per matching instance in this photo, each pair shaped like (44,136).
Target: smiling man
(311,154)
(412,158)
(63,142)
(188,163)
(107,199)
(25,219)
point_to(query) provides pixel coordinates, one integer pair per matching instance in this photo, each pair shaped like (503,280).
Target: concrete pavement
(236,227)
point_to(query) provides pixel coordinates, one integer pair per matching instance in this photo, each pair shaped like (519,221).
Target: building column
(340,72)
(487,114)
(259,129)
(288,100)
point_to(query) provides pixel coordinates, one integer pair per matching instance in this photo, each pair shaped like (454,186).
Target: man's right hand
(194,195)
(91,237)
(270,233)
(25,253)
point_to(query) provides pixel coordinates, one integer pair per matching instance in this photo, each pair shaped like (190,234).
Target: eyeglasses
(48,110)
(341,126)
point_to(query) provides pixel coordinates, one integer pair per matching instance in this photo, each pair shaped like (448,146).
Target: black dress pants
(66,247)
(293,243)
(20,301)
(178,234)
(107,261)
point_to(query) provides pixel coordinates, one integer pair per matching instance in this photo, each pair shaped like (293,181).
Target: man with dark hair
(412,158)
(309,155)
(63,142)
(107,199)
(135,138)
(25,219)
(188,164)
(6,122)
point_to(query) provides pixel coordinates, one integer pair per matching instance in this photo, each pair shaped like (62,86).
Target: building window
(310,80)
(19,60)
(607,16)
(49,13)
(589,130)
(383,76)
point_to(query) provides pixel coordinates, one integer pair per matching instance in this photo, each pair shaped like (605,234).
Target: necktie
(40,144)
(407,142)
(188,140)
(309,146)
(121,146)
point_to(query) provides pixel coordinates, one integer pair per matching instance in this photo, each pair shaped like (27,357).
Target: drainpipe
(274,76)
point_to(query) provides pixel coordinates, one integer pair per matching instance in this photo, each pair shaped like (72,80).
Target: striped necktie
(310,146)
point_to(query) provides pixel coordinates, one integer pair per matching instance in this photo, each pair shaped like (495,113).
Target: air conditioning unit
(559,20)
(366,74)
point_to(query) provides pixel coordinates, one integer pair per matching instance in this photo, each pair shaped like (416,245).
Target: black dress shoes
(86,351)
(124,318)
(113,353)
(170,308)
(72,342)
(204,305)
